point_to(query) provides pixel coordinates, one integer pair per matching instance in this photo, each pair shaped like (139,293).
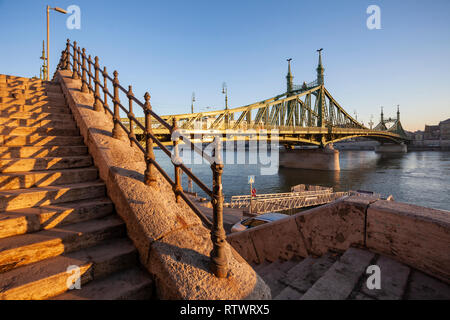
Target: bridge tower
(289,79)
(320,69)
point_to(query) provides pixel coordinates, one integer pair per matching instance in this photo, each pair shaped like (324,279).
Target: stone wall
(173,244)
(416,236)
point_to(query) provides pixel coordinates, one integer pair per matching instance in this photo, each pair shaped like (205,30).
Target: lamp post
(227,117)
(48,34)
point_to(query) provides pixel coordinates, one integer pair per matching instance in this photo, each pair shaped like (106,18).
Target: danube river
(421,178)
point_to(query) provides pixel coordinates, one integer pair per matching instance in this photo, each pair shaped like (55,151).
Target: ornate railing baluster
(84,87)
(79,62)
(177,189)
(219,265)
(97,103)
(105,89)
(130,96)
(116,116)
(67,63)
(149,174)
(90,74)
(75,62)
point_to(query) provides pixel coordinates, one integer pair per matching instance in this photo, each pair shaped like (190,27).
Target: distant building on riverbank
(434,137)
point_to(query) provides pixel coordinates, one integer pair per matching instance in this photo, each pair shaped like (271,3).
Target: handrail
(82,72)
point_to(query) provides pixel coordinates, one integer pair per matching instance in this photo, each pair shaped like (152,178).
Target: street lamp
(227,116)
(48,35)
(192,103)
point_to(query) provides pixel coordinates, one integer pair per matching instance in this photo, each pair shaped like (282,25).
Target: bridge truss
(304,114)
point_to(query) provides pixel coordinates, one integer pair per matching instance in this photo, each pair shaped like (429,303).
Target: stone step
(29,248)
(424,287)
(303,276)
(36,116)
(26,93)
(25,131)
(19,98)
(25,198)
(36,140)
(38,164)
(278,266)
(42,151)
(30,123)
(29,220)
(131,284)
(340,280)
(394,279)
(41,107)
(50,277)
(259,267)
(276,271)
(29,88)
(43,178)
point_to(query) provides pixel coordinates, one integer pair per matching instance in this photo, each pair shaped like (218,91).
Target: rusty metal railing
(92,84)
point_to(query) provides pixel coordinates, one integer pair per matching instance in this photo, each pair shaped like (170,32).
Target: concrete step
(42,151)
(36,140)
(43,178)
(41,107)
(36,116)
(25,249)
(340,280)
(29,220)
(46,163)
(26,198)
(30,123)
(49,278)
(25,131)
(131,284)
(303,276)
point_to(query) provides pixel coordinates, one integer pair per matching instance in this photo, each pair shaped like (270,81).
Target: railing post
(84,87)
(67,62)
(79,62)
(90,74)
(97,104)
(130,96)
(177,189)
(75,62)
(105,89)
(149,174)
(116,117)
(219,264)
(62,61)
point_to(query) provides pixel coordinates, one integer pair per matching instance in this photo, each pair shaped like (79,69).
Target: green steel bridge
(304,114)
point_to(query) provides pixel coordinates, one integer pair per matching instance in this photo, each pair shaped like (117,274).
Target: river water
(421,177)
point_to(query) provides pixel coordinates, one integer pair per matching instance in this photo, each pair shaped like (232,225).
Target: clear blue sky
(172,48)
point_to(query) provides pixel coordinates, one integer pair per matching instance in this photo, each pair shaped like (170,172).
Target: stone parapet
(173,244)
(413,235)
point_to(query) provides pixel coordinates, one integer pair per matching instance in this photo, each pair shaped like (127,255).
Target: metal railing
(81,67)
(284,201)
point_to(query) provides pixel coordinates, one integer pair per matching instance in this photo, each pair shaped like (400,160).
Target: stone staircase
(54,211)
(343,277)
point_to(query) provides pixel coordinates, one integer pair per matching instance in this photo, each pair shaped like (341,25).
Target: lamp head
(60,10)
